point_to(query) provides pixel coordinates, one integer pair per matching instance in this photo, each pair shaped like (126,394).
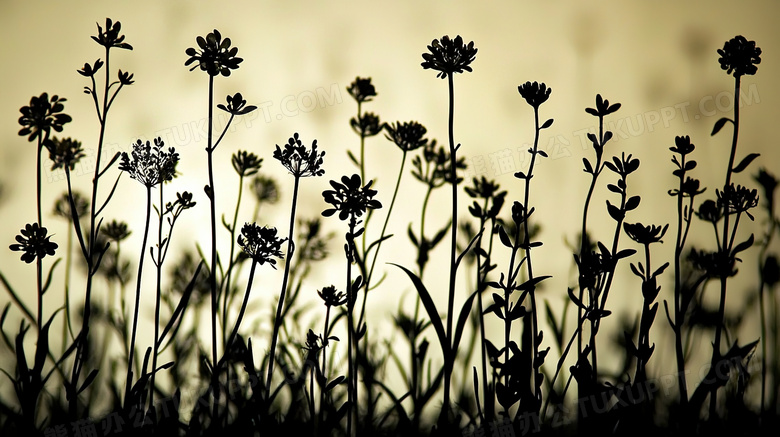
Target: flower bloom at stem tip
(215,55)
(350,197)
(261,243)
(34,242)
(449,56)
(739,56)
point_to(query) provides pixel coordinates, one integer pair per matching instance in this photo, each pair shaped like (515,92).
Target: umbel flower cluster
(150,164)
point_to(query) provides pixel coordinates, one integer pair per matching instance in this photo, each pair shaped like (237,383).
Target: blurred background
(658,59)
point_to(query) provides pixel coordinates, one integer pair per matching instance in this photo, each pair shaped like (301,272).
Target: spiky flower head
(261,243)
(34,242)
(449,56)
(215,55)
(298,160)
(350,198)
(739,56)
(150,165)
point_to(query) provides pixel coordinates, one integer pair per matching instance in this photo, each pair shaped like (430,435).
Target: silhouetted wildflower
(90,70)
(111,37)
(737,199)
(350,198)
(713,264)
(448,56)
(261,244)
(246,163)
(215,55)
(603,107)
(623,166)
(315,245)
(408,135)
(299,161)
(361,89)
(116,230)
(34,243)
(236,105)
(645,234)
(183,201)
(367,125)
(682,145)
(313,342)
(710,211)
(62,206)
(534,93)
(265,189)
(437,169)
(332,297)
(42,115)
(150,165)
(740,56)
(690,188)
(64,152)
(125,77)
(486,190)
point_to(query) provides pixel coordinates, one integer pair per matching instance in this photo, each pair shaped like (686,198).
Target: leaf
(542,153)
(531,283)
(412,237)
(742,246)
(625,253)
(719,125)
(614,188)
(588,167)
(498,299)
(614,212)
(88,380)
(352,158)
(502,235)
(576,300)
(178,313)
(547,124)
(48,276)
(607,135)
(338,380)
(745,162)
(632,203)
(459,326)
(430,307)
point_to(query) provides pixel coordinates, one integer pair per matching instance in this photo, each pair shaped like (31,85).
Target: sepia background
(658,59)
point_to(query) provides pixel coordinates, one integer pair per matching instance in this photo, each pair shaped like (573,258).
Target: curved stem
(129,381)
(231,264)
(283,292)
(244,303)
(448,363)
(157,299)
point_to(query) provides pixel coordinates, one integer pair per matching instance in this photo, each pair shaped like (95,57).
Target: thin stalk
(157,299)
(283,291)
(244,303)
(726,249)
(761,304)
(679,318)
(352,384)
(129,380)
(448,364)
(230,259)
(326,334)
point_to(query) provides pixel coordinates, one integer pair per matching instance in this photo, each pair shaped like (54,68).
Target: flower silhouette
(367,125)
(350,197)
(265,189)
(150,165)
(261,243)
(332,297)
(62,206)
(116,230)
(644,234)
(298,160)
(408,136)
(740,56)
(34,243)
(737,199)
(41,116)
(246,163)
(111,37)
(603,107)
(448,56)
(215,55)
(125,78)
(90,70)
(64,152)
(361,89)
(534,93)
(710,211)
(236,105)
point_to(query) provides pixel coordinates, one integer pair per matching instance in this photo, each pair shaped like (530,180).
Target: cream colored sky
(656,58)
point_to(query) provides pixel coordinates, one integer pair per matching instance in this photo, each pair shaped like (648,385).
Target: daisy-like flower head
(34,242)
(367,125)
(361,89)
(408,136)
(298,160)
(236,105)
(111,37)
(682,145)
(150,165)
(710,211)
(449,56)
(332,297)
(246,163)
(215,55)
(739,56)
(534,93)
(737,199)
(90,70)
(350,197)
(645,234)
(41,116)
(261,243)
(64,152)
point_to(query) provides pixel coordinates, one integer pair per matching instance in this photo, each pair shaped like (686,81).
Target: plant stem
(157,299)
(725,251)
(244,303)
(448,363)
(283,292)
(129,381)
(679,318)
(231,264)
